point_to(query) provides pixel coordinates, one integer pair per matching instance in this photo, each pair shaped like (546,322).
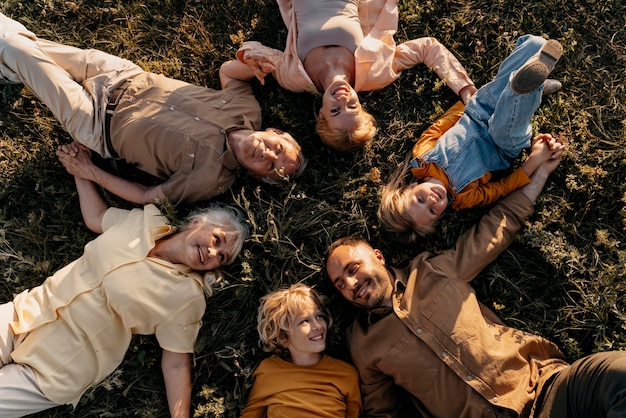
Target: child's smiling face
(427,202)
(306,337)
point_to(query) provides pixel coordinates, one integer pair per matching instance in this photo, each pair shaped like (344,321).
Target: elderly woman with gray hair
(141,275)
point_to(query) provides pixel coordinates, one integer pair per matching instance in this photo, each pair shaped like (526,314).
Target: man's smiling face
(358,271)
(266,154)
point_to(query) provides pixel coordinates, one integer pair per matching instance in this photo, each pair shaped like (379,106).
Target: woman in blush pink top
(341,47)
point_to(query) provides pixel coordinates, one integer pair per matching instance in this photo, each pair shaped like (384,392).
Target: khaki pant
(74,83)
(19,391)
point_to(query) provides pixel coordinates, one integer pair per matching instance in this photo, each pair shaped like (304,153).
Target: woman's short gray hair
(226,217)
(232,221)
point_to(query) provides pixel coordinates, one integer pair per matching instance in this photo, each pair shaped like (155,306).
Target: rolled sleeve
(178,334)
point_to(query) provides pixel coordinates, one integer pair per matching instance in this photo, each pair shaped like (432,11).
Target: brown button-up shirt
(451,353)
(177,131)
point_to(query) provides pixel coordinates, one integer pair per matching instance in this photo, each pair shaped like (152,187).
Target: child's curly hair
(278,311)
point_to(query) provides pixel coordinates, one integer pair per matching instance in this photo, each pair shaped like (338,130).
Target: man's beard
(377,294)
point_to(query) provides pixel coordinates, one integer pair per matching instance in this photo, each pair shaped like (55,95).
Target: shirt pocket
(222,100)
(409,367)
(188,155)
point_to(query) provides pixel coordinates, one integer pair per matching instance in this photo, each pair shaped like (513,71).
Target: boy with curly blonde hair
(299,379)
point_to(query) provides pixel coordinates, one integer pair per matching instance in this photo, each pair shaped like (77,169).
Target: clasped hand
(76,158)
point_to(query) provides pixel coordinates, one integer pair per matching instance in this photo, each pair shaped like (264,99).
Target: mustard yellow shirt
(80,321)
(280,389)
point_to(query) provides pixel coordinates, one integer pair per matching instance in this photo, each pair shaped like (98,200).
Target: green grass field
(563,278)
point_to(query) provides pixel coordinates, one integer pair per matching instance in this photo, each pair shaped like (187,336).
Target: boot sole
(535,71)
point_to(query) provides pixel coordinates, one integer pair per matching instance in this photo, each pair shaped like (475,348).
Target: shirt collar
(374,315)
(228,159)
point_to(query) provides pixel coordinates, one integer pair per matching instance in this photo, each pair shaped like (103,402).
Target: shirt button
(495,399)
(443,354)
(419,330)
(488,410)
(172,108)
(192,155)
(398,309)
(196,118)
(469,378)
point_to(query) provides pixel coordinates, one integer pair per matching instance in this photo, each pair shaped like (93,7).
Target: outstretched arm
(177,376)
(92,205)
(249,64)
(261,60)
(544,147)
(481,244)
(77,161)
(437,57)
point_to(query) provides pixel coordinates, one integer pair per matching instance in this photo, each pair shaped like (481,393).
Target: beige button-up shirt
(451,353)
(176,131)
(80,321)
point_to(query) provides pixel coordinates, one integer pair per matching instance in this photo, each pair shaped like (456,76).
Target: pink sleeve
(435,56)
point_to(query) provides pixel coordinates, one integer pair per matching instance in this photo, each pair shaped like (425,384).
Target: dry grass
(563,278)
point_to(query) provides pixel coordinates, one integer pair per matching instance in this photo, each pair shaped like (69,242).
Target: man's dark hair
(351,241)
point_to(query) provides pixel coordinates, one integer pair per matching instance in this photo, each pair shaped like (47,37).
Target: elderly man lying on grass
(193,138)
